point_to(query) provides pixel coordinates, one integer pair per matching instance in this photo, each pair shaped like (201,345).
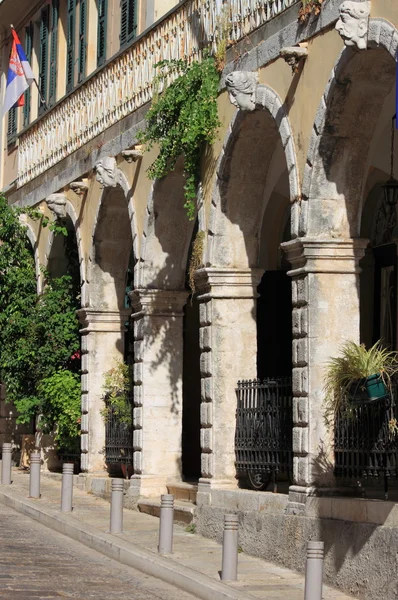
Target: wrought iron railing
(118,438)
(126,83)
(264,425)
(365,447)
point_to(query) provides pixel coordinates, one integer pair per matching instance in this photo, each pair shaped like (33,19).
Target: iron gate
(118,438)
(364,445)
(264,424)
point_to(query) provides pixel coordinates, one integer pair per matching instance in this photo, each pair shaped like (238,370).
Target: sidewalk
(193,566)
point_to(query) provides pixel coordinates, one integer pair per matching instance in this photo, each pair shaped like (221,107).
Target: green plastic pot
(375,387)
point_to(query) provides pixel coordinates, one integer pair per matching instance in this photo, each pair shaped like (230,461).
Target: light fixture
(391,186)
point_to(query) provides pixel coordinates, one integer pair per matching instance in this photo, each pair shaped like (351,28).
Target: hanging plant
(182,120)
(308,8)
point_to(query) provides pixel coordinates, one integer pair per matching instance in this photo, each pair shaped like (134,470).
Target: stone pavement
(194,565)
(37,563)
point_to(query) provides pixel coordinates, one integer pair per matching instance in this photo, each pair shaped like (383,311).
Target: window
(82,40)
(70,49)
(52,93)
(128,25)
(28,52)
(101,36)
(43,57)
(12,126)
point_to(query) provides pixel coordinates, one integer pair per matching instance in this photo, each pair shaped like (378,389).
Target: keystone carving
(241,87)
(293,55)
(132,155)
(79,187)
(57,204)
(353,23)
(107,172)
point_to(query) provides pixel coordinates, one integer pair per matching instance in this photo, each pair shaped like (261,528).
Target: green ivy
(182,120)
(117,394)
(39,335)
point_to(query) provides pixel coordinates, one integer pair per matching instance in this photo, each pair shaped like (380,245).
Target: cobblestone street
(36,563)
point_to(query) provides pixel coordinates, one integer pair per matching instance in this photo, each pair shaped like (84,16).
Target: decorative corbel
(57,204)
(133,154)
(293,55)
(80,187)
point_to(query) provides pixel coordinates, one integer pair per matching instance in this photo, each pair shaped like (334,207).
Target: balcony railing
(126,83)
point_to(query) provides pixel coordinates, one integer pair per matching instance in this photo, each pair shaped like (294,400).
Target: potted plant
(359,375)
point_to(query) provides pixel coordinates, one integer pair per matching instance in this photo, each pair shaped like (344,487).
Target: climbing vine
(182,120)
(308,8)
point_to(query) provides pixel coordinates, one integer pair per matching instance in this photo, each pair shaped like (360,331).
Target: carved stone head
(353,23)
(106,171)
(57,204)
(241,87)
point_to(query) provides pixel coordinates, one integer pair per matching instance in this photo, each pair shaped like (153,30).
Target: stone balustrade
(127,82)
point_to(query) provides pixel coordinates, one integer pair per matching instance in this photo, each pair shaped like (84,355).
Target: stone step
(184,492)
(184,512)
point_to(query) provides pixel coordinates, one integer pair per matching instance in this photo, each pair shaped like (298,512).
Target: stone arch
(34,243)
(234,225)
(335,171)
(113,238)
(166,235)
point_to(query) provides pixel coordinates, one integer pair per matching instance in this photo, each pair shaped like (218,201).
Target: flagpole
(42,100)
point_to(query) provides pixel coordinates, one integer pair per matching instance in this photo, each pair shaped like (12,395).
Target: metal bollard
(117,506)
(166,524)
(229,570)
(67,487)
(34,478)
(6,464)
(314,571)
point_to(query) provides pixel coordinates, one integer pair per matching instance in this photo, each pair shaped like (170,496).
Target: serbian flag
(19,77)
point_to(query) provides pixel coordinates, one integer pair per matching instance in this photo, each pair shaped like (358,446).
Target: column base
(147,486)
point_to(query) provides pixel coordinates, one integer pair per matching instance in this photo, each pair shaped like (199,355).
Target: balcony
(126,82)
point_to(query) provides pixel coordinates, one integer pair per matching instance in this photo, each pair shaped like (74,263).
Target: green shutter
(128,24)
(43,56)
(52,95)
(70,50)
(12,126)
(101,36)
(82,40)
(28,52)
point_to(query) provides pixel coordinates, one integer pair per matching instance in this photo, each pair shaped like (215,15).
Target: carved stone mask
(353,23)
(106,172)
(241,87)
(57,204)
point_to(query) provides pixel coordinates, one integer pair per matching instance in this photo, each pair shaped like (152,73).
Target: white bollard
(67,487)
(229,570)
(34,478)
(6,464)
(166,524)
(314,571)
(117,506)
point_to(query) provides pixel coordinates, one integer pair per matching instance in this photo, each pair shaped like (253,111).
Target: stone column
(102,343)
(326,313)
(158,359)
(228,342)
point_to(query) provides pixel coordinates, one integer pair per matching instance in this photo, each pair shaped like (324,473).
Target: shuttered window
(12,126)
(28,52)
(82,40)
(52,93)
(70,49)
(101,37)
(43,56)
(128,25)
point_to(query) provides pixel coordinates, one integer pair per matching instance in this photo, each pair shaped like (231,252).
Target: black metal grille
(118,439)
(364,446)
(264,423)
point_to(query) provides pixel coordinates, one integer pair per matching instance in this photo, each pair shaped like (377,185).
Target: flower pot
(375,387)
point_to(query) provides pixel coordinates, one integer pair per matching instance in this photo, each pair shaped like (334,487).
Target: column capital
(158,302)
(214,282)
(334,255)
(102,320)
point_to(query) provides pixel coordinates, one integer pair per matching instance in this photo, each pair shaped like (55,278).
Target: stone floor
(257,578)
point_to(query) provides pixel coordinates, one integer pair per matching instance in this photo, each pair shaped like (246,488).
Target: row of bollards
(230,548)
